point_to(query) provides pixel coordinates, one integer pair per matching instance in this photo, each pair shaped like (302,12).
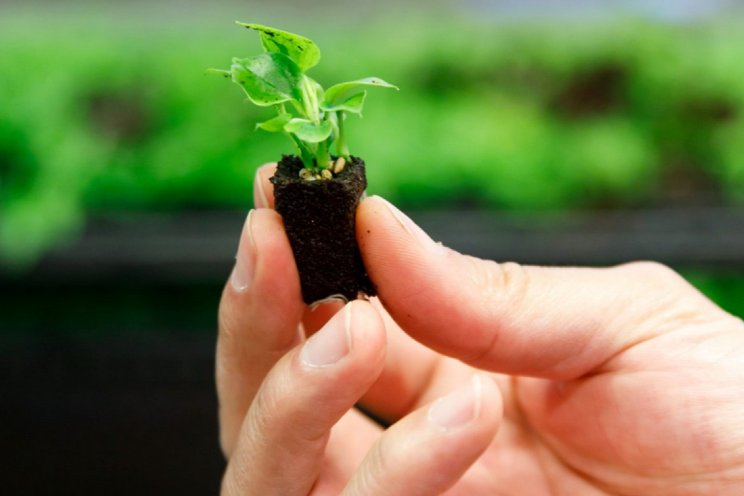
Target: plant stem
(305,154)
(341,147)
(323,156)
(298,107)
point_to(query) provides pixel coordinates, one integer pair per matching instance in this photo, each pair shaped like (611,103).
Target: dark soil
(319,217)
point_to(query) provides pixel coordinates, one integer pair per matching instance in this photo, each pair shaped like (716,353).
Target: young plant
(313,118)
(319,216)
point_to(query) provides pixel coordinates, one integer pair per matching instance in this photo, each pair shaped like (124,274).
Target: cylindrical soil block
(319,218)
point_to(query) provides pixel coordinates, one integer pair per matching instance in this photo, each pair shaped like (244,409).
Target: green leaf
(218,72)
(275,125)
(353,104)
(303,51)
(339,94)
(268,79)
(309,131)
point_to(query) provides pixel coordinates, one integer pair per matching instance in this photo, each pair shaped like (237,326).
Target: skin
(567,381)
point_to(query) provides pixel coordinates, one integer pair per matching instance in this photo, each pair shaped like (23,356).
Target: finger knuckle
(265,410)
(651,271)
(280,403)
(377,465)
(499,281)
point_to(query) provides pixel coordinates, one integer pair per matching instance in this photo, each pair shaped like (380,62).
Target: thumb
(557,323)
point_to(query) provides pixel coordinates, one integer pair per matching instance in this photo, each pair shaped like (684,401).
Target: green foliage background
(104,116)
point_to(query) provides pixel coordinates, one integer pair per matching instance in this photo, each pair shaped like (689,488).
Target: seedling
(315,192)
(313,118)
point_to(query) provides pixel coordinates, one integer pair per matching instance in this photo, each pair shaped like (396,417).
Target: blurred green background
(507,107)
(107,109)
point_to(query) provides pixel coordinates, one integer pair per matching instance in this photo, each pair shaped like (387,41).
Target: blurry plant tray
(200,246)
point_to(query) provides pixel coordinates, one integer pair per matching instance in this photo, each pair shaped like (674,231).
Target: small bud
(326,174)
(306,174)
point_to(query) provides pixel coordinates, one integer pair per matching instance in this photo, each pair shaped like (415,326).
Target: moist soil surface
(319,218)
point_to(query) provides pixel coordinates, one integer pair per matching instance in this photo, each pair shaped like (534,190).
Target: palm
(622,429)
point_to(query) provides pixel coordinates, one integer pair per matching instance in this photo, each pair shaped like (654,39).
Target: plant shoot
(313,118)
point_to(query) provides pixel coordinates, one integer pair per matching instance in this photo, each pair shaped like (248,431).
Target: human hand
(614,381)
(287,419)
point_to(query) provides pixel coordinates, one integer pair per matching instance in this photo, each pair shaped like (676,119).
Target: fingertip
(472,415)
(355,334)
(445,438)
(476,404)
(368,205)
(241,276)
(391,244)
(365,311)
(376,219)
(372,218)
(368,330)
(263,190)
(264,280)
(415,277)
(276,271)
(315,316)
(268,229)
(365,217)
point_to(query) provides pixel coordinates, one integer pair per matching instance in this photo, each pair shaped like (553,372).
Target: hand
(287,419)
(613,381)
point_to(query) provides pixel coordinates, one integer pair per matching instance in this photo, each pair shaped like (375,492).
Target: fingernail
(260,200)
(458,408)
(245,260)
(331,343)
(411,228)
